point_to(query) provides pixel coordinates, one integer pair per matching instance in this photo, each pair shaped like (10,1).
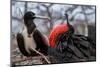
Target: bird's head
(29,21)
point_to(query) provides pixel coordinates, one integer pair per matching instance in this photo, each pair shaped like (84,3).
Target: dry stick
(42,56)
(31,58)
(20,60)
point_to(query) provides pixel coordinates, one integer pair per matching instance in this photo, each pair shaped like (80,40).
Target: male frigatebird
(66,46)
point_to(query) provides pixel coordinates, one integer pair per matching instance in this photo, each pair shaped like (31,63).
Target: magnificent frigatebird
(31,38)
(66,46)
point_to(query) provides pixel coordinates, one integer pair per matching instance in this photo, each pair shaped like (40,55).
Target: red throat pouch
(55,32)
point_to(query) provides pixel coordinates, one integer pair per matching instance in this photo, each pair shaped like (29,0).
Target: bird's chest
(29,41)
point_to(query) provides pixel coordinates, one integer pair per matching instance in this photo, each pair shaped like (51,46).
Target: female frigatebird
(31,38)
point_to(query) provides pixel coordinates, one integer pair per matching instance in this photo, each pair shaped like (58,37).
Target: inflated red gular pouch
(55,32)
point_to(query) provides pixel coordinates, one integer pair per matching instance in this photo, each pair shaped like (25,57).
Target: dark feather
(41,42)
(72,47)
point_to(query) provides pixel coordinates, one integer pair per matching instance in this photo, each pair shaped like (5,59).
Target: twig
(20,60)
(42,56)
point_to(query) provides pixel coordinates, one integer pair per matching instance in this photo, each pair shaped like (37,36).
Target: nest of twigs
(18,59)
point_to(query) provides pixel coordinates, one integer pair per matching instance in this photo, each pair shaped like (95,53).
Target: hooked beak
(42,17)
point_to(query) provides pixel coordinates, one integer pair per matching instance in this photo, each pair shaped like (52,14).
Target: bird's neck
(24,32)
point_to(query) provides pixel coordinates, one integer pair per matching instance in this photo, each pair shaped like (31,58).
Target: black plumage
(73,47)
(70,47)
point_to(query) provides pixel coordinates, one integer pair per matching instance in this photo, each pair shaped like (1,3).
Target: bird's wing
(41,41)
(21,44)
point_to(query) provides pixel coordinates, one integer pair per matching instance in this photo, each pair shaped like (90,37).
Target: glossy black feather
(73,48)
(41,42)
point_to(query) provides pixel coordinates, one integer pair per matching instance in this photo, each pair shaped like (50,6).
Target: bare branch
(42,55)
(18,19)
